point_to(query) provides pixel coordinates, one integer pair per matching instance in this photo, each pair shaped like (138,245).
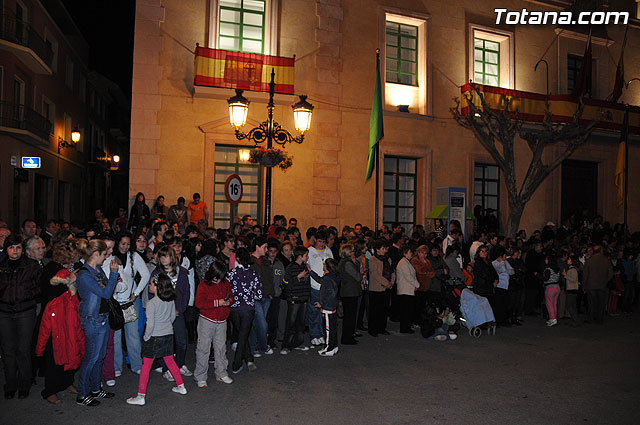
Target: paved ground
(526,375)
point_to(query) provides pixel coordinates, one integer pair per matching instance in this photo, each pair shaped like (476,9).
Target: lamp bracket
(261,134)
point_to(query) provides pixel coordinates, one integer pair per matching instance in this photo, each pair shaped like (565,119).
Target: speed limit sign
(233,189)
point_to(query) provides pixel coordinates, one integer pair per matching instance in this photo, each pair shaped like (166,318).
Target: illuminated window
(491,57)
(242,25)
(404,61)
(486,56)
(402,53)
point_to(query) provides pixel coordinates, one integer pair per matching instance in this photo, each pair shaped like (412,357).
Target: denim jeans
(133,346)
(242,321)
(258,336)
(314,316)
(96,332)
(16,332)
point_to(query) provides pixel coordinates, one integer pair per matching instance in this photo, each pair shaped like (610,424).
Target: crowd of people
(174,280)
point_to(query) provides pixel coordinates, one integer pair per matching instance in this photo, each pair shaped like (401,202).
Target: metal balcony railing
(14,115)
(19,32)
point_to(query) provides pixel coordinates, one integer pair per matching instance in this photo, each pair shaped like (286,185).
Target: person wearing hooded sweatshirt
(298,291)
(328,304)
(140,213)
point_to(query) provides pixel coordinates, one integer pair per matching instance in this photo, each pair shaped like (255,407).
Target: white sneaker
(321,340)
(118,373)
(328,353)
(202,384)
(252,366)
(269,351)
(111,382)
(284,351)
(441,338)
(137,400)
(180,389)
(257,354)
(552,322)
(184,370)
(158,369)
(315,341)
(168,376)
(234,345)
(453,337)
(225,379)
(302,348)
(323,350)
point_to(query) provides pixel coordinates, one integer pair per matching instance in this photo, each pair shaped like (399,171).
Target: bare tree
(493,128)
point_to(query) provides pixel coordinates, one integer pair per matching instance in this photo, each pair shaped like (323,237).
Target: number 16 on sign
(233,189)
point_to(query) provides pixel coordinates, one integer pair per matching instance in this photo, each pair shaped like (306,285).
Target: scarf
(386,266)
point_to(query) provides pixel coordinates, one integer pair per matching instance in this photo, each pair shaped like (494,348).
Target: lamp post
(269,131)
(626,165)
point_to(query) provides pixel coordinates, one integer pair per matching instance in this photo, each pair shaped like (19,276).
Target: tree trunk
(516,208)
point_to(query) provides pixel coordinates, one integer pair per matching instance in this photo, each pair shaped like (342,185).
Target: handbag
(129,312)
(116,317)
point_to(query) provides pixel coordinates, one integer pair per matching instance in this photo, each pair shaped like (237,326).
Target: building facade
(181,141)
(45,94)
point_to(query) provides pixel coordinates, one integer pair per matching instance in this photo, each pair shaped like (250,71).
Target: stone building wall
(175,126)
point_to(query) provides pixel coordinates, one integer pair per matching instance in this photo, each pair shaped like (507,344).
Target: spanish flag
(621,162)
(246,71)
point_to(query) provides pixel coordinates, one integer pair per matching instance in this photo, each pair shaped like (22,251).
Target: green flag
(376,129)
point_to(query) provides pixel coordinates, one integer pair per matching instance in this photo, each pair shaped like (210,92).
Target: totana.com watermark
(525,17)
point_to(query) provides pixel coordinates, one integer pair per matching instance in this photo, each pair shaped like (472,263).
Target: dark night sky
(107,26)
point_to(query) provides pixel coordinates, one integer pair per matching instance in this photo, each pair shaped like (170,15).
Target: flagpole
(378,187)
(377,153)
(626,177)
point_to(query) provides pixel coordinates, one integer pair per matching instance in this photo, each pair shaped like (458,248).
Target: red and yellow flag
(531,107)
(246,71)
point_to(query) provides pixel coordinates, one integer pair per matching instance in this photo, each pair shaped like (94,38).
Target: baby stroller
(476,314)
(452,290)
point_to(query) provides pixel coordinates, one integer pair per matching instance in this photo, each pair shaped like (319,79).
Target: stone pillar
(145,99)
(328,141)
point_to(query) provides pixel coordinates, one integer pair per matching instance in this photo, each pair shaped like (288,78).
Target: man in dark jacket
(597,272)
(298,291)
(534,263)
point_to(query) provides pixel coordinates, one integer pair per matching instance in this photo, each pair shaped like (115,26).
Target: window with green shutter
(402,54)
(241,25)
(486,62)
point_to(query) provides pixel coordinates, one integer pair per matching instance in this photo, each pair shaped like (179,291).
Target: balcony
(24,123)
(22,40)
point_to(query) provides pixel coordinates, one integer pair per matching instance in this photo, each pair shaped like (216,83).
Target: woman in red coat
(60,338)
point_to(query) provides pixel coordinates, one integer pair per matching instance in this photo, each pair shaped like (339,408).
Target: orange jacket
(424,273)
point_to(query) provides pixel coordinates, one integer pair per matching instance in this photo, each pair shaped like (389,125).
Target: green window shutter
(241,25)
(486,62)
(401,53)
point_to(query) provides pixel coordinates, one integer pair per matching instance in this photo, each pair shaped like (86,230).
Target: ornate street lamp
(269,131)
(75,135)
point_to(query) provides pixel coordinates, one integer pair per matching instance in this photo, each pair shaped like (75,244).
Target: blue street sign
(30,162)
